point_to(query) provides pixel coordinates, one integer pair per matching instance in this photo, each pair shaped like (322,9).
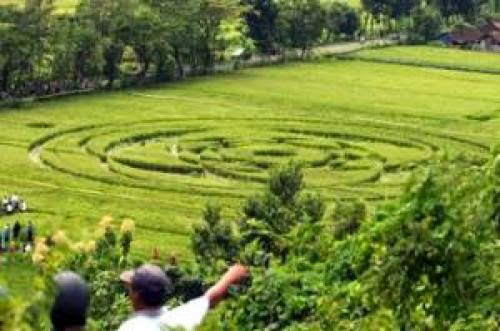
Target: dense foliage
(127,42)
(429,261)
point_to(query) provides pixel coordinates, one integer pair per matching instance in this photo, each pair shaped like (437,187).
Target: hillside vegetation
(430,260)
(362,190)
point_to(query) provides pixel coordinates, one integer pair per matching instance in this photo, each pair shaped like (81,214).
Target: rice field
(433,57)
(158,155)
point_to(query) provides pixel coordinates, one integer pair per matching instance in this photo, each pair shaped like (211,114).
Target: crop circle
(232,156)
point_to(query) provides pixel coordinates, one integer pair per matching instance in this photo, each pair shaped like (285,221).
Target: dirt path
(348,47)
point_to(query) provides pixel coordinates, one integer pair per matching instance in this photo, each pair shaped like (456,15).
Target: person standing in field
(149,288)
(16,231)
(23,206)
(30,233)
(14,199)
(29,237)
(2,241)
(6,237)
(16,236)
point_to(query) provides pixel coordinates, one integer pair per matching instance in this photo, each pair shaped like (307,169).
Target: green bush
(427,261)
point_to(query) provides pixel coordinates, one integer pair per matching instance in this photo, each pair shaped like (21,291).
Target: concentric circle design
(233,156)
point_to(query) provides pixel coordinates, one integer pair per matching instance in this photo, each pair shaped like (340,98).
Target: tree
(76,52)
(23,34)
(211,15)
(375,7)
(269,217)
(108,18)
(182,28)
(468,10)
(14,45)
(145,33)
(261,19)
(426,24)
(341,19)
(386,10)
(495,6)
(398,9)
(213,241)
(301,22)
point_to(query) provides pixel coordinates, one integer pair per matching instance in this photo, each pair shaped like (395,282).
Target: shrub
(427,261)
(347,218)
(213,241)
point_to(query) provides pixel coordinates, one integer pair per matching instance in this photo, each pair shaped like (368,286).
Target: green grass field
(158,155)
(434,56)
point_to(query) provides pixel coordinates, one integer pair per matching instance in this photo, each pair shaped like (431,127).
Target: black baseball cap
(151,282)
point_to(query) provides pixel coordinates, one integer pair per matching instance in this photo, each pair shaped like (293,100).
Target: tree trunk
(372,26)
(207,60)
(113,57)
(178,63)
(5,77)
(303,52)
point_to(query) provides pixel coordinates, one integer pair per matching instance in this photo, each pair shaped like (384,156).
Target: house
(487,36)
(491,35)
(466,36)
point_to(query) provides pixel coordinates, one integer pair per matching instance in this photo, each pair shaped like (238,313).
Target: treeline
(388,11)
(423,20)
(109,43)
(119,43)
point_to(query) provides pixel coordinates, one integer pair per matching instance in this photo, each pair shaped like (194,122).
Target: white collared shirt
(187,316)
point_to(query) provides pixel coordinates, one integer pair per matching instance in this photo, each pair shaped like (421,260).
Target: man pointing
(149,289)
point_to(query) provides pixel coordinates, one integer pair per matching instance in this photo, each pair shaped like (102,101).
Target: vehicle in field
(13,204)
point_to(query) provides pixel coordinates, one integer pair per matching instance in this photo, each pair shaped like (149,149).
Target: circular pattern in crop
(232,156)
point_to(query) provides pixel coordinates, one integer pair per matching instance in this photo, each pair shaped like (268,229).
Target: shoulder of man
(187,316)
(139,323)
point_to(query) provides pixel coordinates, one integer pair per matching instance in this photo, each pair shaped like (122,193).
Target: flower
(37,258)
(128,225)
(40,247)
(105,222)
(60,238)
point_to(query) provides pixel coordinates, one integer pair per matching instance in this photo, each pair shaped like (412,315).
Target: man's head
(69,311)
(148,287)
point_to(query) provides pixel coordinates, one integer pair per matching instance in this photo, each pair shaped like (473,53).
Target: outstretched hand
(235,275)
